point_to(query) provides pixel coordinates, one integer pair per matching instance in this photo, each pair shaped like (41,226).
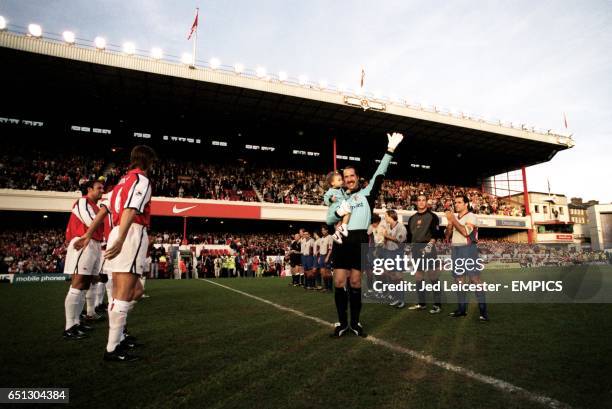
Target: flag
(194,26)
(362,77)
(565,120)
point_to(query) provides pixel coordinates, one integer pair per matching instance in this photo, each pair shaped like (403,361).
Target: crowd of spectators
(194,180)
(41,171)
(213,265)
(197,180)
(530,255)
(238,182)
(402,195)
(45,171)
(44,250)
(248,244)
(290,186)
(35,251)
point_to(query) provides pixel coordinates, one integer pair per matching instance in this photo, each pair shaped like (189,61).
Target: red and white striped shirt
(83,213)
(132,192)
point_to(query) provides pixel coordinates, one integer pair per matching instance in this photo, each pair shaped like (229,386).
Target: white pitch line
(488,380)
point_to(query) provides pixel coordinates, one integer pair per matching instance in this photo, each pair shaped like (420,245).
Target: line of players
(310,260)
(120,222)
(311,257)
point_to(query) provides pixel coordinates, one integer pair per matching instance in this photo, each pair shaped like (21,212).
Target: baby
(338,208)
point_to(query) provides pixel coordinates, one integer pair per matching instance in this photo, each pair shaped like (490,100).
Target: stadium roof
(55,81)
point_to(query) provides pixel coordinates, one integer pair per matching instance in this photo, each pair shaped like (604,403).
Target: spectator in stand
(180,270)
(238,265)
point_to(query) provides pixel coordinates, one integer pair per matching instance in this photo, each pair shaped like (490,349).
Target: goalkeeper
(350,259)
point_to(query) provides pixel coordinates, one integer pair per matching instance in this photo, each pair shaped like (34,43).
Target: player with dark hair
(395,236)
(423,231)
(324,257)
(83,263)
(295,256)
(463,231)
(308,260)
(349,260)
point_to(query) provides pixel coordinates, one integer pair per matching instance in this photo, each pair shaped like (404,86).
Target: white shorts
(105,267)
(133,255)
(85,261)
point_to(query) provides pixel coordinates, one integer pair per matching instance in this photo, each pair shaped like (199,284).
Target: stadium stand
(45,170)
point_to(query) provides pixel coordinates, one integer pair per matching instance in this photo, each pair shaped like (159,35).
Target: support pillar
(526,203)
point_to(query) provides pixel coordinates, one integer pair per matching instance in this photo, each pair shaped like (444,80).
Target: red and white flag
(194,26)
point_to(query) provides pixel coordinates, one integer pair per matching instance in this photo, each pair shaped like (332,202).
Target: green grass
(209,347)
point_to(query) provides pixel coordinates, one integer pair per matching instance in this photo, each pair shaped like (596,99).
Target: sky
(521,61)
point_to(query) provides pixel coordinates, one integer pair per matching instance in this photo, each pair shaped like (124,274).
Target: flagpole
(195,39)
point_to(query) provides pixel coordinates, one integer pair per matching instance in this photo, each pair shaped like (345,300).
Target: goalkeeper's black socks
(341,299)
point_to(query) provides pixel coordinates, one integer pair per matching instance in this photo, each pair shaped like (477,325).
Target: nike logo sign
(177,211)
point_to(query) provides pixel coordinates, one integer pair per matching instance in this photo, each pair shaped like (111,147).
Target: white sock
(79,308)
(70,305)
(117,318)
(97,293)
(143,280)
(90,298)
(96,287)
(109,290)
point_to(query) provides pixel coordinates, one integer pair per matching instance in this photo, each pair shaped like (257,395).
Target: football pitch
(260,343)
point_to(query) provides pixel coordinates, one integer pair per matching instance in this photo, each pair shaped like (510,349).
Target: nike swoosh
(177,211)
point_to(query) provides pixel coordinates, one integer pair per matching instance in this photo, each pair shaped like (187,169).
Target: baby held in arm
(338,211)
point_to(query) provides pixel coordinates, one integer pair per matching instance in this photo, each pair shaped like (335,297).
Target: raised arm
(377,178)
